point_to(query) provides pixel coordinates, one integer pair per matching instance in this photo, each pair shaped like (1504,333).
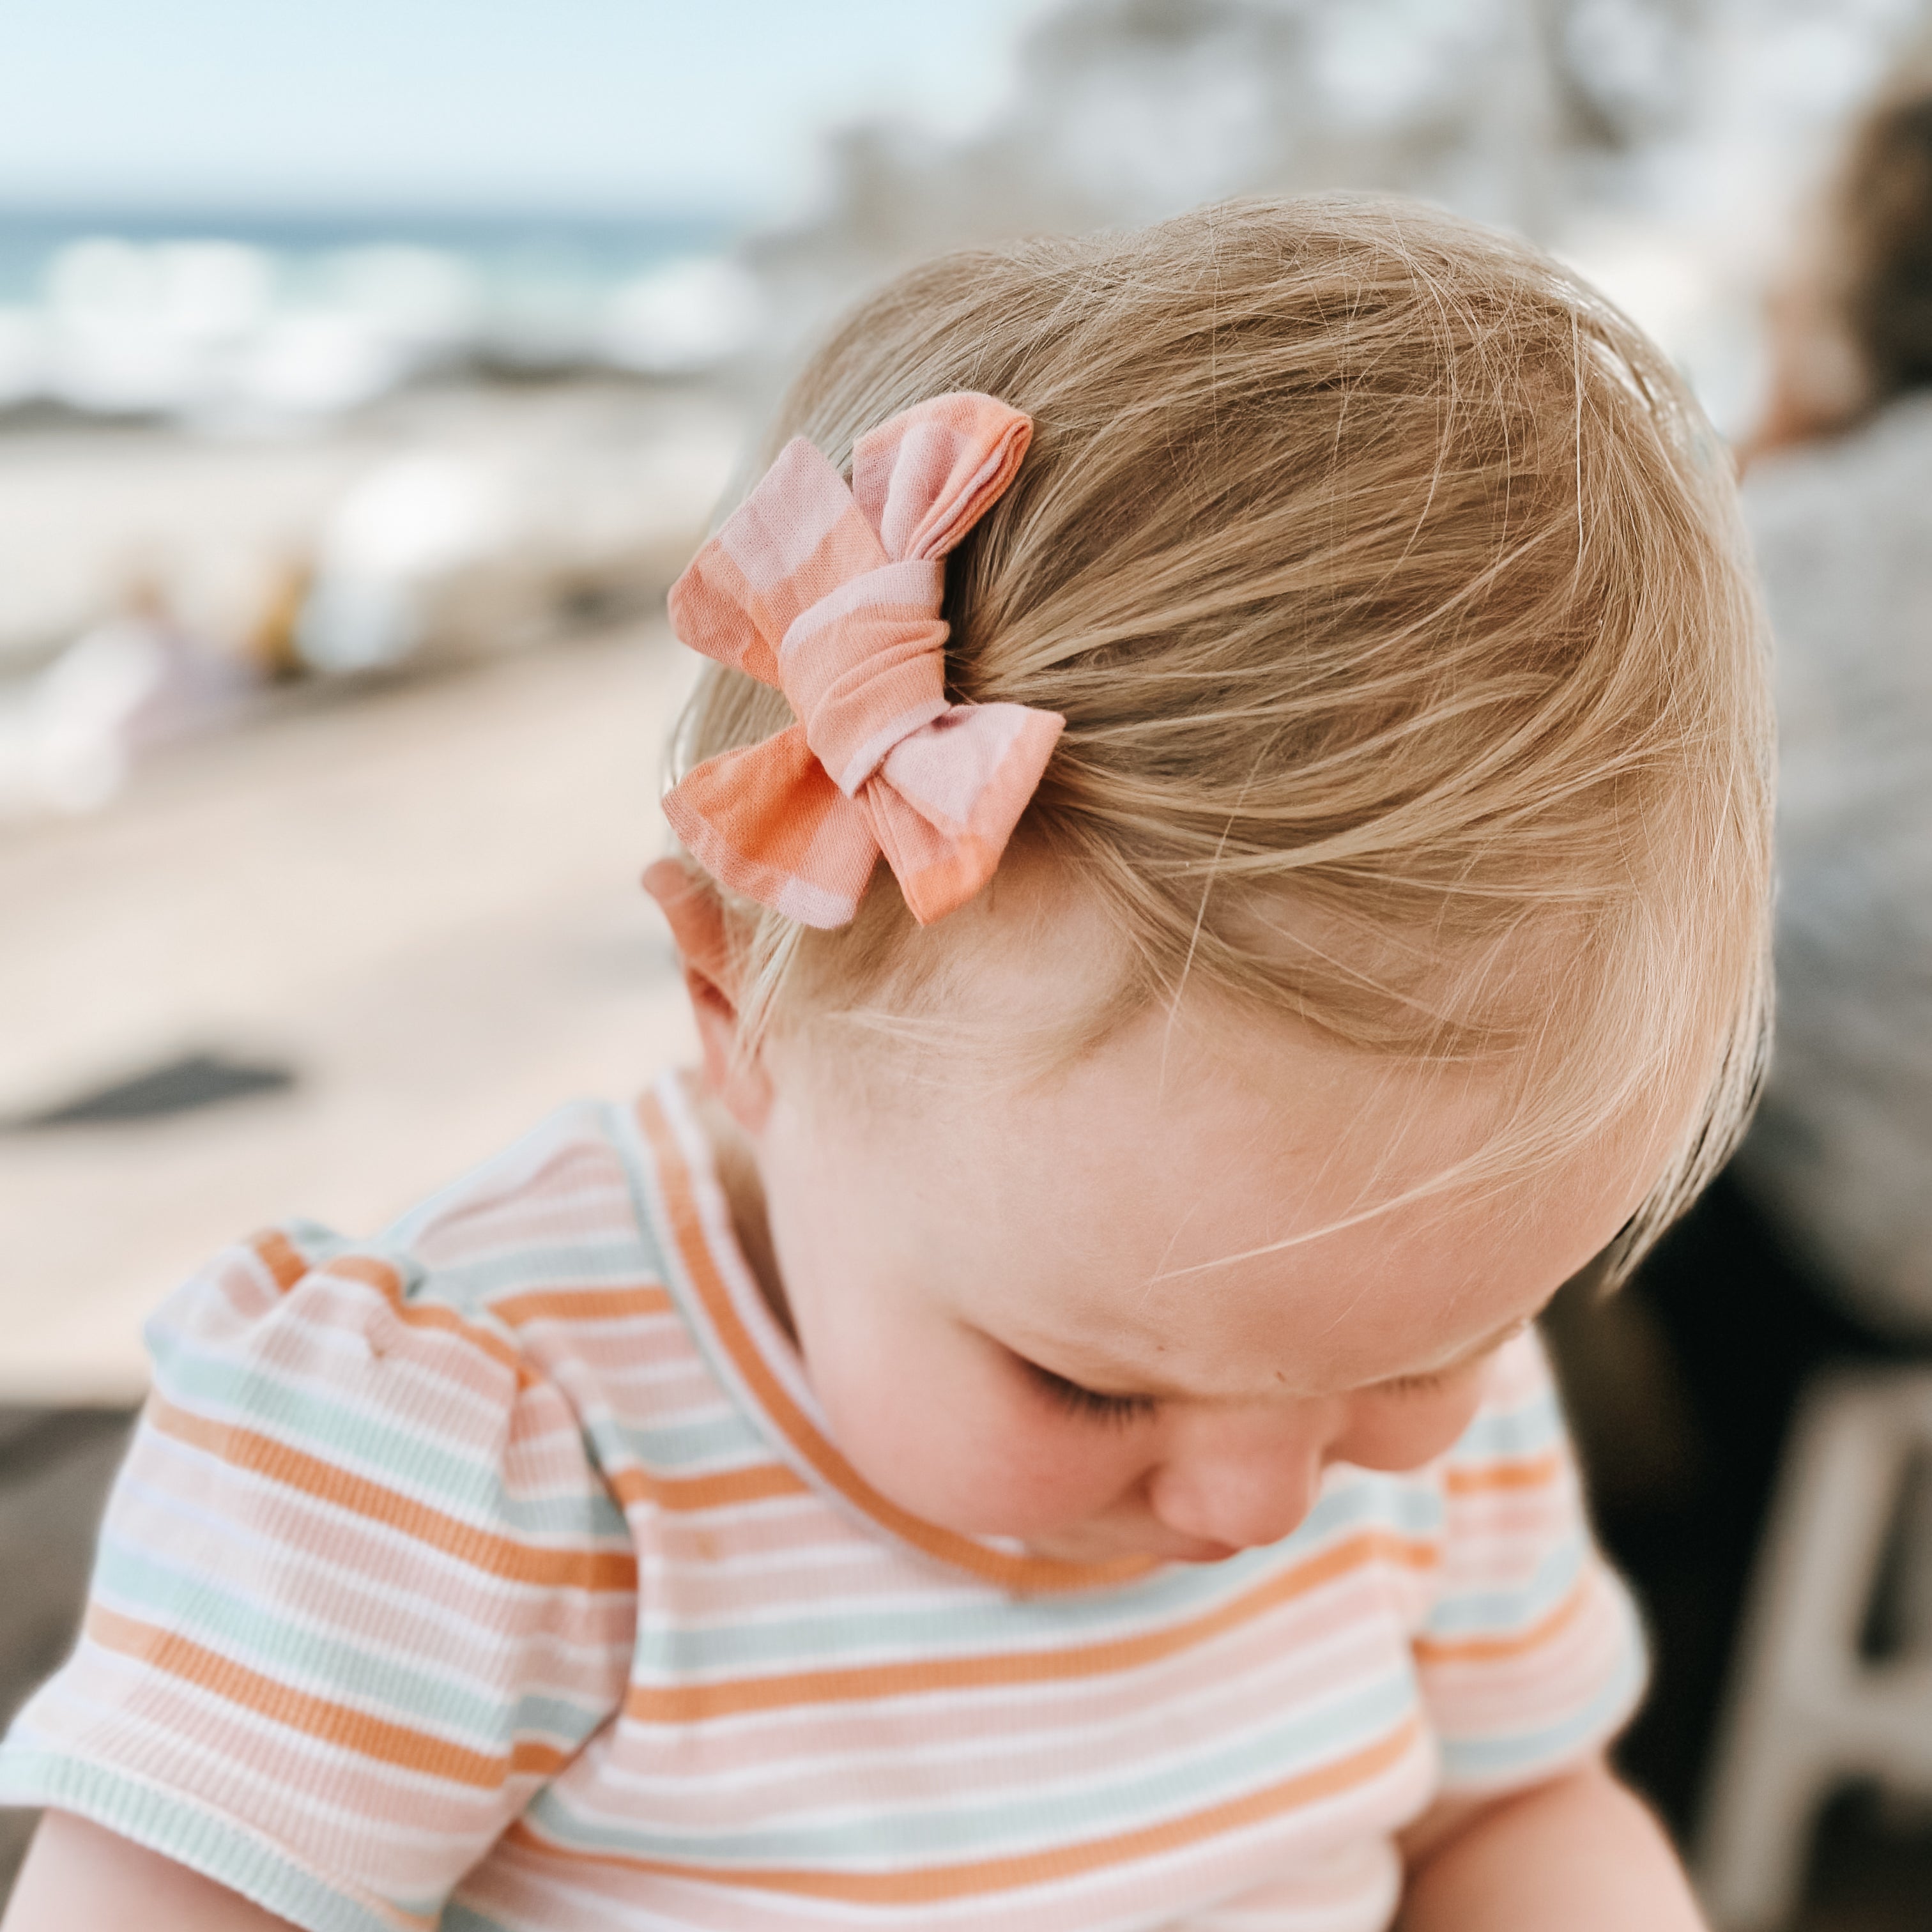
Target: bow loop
(924,479)
(834,594)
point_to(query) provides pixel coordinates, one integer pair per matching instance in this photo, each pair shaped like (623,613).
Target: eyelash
(1426,1384)
(1415,1384)
(1089,1403)
(1093,1406)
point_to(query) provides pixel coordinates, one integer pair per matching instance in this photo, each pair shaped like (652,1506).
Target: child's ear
(697,921)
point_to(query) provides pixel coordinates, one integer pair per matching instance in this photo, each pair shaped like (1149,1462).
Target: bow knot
(833,595)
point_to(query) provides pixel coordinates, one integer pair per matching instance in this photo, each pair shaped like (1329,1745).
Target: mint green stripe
(1525,1431)
(196,1381)
(1487,1759)
(512,1169)
(621,1130)
(1356,1499)
(197,1837)
(131,1579)
(317,1244)
(601,1260)
(947,1828)
(1493,1611)
(980,1621)
(727,1438)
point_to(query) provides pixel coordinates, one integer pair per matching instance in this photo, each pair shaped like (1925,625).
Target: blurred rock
(446,523)
(1659,142)
(442,554)
(689,316)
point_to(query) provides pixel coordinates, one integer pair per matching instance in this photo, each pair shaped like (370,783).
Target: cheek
(936,1424)
(1403,1432)
(934,1417)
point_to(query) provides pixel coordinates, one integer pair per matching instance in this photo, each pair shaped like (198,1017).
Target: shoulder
(1531,1656)
(313,1393)
(1513,1472)
(364,1582)
(1521,1415)
(562,1199)
(558,1207)
(413,1347)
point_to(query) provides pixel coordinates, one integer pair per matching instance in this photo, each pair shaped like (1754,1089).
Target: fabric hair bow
(833,595)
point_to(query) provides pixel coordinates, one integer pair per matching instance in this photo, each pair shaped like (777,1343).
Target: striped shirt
(498,1575)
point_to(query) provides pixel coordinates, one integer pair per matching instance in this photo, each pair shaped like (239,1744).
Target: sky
(705,106)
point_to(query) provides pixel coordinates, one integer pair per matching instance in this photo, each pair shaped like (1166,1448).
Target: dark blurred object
(1850,320)
(1682,1390)
(1868,1876)
(1886,211)
(181,1086)
(54,1468)
(1841,519)
(1832,1682)
(1733,1321)
(1784,1548)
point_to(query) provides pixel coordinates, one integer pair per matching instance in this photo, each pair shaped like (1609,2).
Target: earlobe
(691,909)
(696,920)
(737,1078)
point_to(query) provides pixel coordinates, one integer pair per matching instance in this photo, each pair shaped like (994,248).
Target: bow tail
(767,823)
(945,801)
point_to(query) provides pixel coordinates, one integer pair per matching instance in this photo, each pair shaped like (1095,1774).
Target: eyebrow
(1113,1380)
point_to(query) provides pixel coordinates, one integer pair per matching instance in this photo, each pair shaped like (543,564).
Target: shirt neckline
(719,1295)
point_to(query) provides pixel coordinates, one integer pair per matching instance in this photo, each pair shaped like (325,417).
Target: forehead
(1232,1208)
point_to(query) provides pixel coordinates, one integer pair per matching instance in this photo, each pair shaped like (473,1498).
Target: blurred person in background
(1839,498)
(1821,1229)
(138,678)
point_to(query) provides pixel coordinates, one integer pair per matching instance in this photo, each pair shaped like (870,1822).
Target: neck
(737,1166)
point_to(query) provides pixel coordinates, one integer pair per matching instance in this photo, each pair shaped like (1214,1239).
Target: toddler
(1223,856)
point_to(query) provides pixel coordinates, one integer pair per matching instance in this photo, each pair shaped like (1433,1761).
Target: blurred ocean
(217,319)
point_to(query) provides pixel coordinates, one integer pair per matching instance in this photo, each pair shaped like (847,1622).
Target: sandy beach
(421,901)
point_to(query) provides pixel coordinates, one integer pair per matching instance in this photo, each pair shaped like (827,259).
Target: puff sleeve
(1531,1658)
(360,1592)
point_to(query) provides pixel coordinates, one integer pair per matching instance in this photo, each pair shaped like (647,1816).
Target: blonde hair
(1390,583)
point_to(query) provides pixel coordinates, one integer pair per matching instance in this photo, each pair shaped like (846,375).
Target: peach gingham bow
(833,595)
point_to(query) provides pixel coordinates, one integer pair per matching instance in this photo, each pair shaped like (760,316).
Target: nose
(1243,1476)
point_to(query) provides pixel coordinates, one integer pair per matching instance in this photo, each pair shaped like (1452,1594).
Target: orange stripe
(284,1261)
(686,1703)
(482,1549)
(762,1483)
(1531,1472)
(388,1282)
(933,1883)
(1489,1649)
(1021,1574)
(579,1304)
(280,1256)
(373,1738)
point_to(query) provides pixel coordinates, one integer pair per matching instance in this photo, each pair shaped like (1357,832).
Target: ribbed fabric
(498,1575)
